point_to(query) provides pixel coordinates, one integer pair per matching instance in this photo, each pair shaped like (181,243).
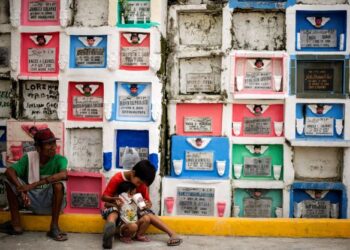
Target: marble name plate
(84,200)
(195,201)
(257,208)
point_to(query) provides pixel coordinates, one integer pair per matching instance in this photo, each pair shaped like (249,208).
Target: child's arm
(109,204)
(112,201)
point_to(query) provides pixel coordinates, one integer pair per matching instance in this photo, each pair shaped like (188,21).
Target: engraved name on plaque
(42,11)
(135,56)
(198,124)
(319,126)
(88,106)
(257,208)
(139,10)
(202,82)
(318,38)
(318,79)
(41,59)
(257,125)
(40,100)
(258,80)
(138,106)
(315,209)
(257,166)
(94,57)
(199,161)
(84,200)
(195,201)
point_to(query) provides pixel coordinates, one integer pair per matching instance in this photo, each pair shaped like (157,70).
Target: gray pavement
(38,241)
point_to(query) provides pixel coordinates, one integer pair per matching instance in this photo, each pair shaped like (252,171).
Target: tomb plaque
(257,208)
(4,57)
(257,125)
(28,146)
(42,11)
(139,10)
(135,56)
(40,100)
(318,79)
(195,201)
(319,126)
(198,124)
(202,82)
(315,209)
(318,38)
(257,166)
(199,161)
(87,106)
(93,57)
(136,106)
(258,80)
(5,99)
(41,59)
(85,200)
(143,153)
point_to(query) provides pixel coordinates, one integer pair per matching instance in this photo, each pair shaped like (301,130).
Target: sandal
(174,242)
(142,238)
(7,228)
(108,234)
(56,234)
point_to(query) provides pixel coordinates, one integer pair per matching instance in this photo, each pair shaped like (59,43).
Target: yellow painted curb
(91,223)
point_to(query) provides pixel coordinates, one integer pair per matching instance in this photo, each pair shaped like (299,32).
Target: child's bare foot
(142,238)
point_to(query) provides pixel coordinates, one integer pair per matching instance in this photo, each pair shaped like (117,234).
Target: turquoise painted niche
(134,14)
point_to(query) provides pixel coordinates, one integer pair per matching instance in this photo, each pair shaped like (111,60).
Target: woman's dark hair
(125,187)
(145,171)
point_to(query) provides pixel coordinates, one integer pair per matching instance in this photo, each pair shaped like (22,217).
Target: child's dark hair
(145,171)
(125,186)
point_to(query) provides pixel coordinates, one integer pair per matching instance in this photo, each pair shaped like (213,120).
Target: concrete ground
(38,240)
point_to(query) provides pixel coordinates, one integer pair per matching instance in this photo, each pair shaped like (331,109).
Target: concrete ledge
(88,223)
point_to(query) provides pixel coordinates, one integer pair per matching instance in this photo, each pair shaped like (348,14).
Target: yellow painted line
(88,223)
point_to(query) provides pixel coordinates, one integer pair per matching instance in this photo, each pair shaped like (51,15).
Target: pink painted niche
(134,51)
(84,191)
(258,120)
(199,119)
(258,73)
(39,54)
(40,12)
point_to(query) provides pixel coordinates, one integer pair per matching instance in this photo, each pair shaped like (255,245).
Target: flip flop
(7,228)
(108,233)
(56,234)
(174,242)
(142,238)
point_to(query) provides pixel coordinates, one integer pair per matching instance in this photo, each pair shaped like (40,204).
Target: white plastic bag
(130,158)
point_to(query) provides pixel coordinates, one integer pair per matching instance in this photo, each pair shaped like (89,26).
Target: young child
(127,211)
(142,175)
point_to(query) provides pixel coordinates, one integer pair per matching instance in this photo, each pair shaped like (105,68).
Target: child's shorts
(107,211)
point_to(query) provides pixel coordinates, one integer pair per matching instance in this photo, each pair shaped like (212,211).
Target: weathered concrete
(258,30)
(31,240)
(91,13)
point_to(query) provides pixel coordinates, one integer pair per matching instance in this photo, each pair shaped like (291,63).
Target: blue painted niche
(88,51)
(261,4)
(137,140)
(320,121)
(336,195)
(200,157)
(321,30)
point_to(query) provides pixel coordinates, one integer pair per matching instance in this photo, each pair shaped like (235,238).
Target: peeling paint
(91,13)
